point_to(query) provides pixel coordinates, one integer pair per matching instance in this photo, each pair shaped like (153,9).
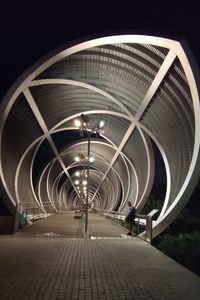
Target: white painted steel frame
(175,50)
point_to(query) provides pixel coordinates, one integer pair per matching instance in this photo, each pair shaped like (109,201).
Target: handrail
(29,205)
(140,220)
(27,212)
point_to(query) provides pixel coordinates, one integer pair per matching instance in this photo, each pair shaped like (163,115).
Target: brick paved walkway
(34,266)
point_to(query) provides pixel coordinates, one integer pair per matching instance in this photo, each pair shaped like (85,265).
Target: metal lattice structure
(145,90)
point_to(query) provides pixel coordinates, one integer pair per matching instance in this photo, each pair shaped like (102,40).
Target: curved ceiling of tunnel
(142,86)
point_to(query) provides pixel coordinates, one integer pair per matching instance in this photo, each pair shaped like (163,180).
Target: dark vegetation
(4,211)
(181,240)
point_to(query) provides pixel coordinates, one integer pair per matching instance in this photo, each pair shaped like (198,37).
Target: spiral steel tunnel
(145,90)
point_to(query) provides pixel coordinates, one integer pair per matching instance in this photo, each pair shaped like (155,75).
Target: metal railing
(33,211)
(143,223)
(27,213)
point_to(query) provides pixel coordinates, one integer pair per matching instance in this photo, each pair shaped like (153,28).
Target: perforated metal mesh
(144,90)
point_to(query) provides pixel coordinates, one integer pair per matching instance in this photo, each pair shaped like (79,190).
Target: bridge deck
(50,260)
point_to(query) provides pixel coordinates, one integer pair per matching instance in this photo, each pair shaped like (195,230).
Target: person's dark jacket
(131,216)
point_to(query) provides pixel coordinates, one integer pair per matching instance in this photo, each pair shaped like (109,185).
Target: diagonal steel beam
(149,95)
(44,128)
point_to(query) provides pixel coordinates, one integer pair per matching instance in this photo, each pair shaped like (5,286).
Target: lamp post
(81,122)
(81,183)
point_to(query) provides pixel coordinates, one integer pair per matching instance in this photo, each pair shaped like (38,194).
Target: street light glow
(76,182)
(101,124)
(77,159)
(84,182)
(78,173)
(77,123)
(91,159)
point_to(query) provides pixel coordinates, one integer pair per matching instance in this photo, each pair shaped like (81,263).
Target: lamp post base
(86,236)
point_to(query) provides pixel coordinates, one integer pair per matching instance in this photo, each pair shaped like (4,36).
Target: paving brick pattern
(43,268)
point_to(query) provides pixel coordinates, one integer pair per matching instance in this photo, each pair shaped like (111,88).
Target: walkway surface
(51,260)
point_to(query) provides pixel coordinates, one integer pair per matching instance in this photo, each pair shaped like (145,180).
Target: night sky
(30,29)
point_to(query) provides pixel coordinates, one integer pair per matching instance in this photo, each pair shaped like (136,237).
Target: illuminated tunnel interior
(144,90)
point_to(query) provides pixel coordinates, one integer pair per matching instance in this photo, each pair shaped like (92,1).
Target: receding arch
(141,83)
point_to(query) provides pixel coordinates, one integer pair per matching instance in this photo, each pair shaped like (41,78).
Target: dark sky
(30,29)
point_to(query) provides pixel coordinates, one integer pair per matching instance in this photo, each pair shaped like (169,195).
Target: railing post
(148,228)
(138,226)
(16,218)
